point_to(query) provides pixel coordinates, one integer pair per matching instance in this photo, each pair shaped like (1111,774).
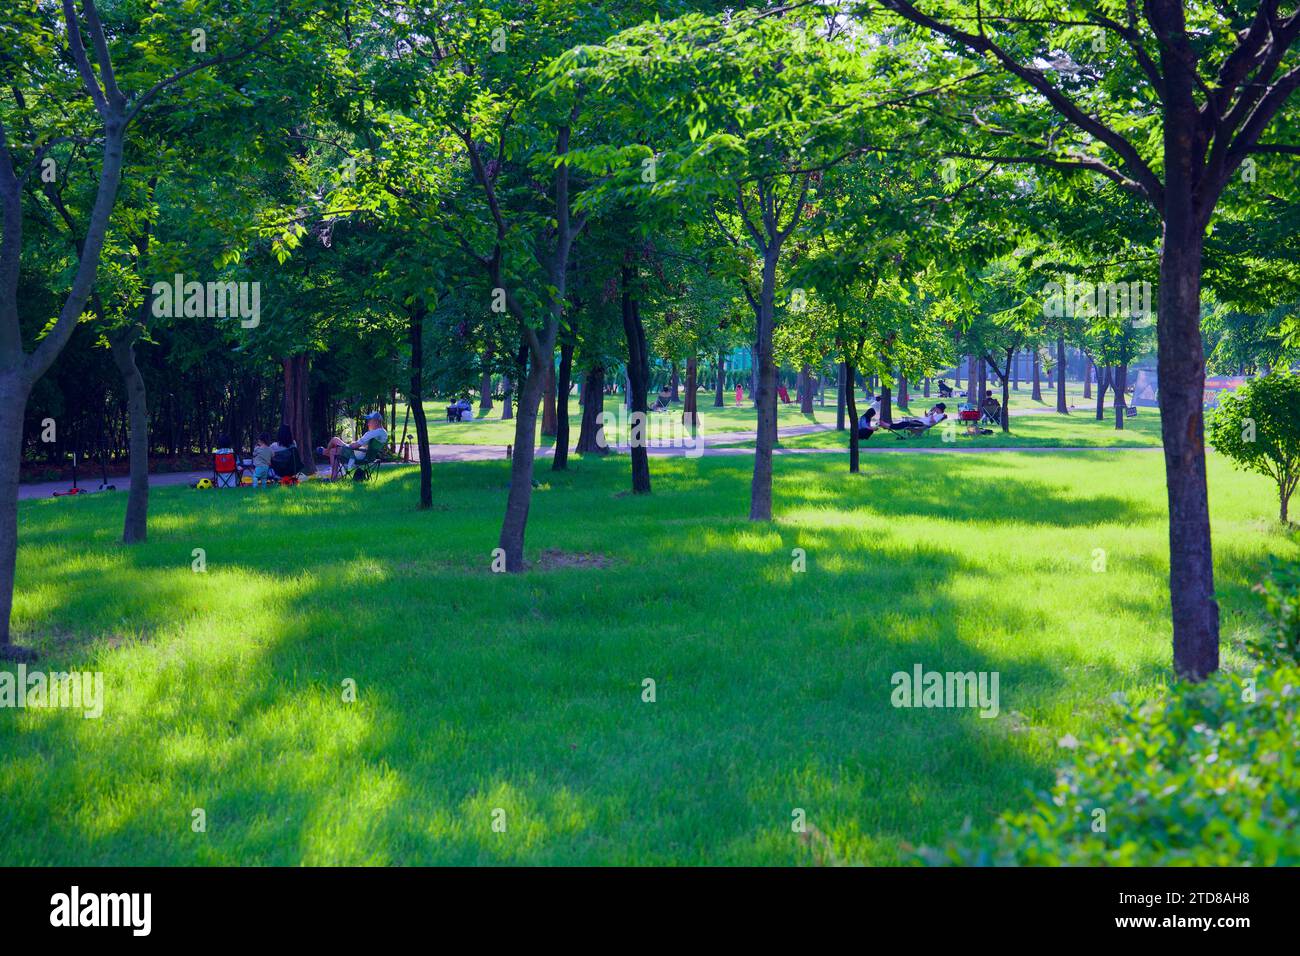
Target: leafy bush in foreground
(1208,776)
(1280,644)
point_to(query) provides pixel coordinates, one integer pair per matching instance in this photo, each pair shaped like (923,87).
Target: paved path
(715,445)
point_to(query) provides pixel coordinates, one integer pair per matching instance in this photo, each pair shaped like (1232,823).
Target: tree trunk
(925,389)
(842,389)
(760,489)
(560,461)
(1037,393)
(904,400)
(297,407)
(416,397)
(507,398)
(690,407)
(550,423)
(593,404)
(805,391)
(1087,377)
(485,384)
(1062,406)
(974,391)
(1014,371)
(13,402)
(676,385)
(638,376)
(520,497)
(1121,380)
(1103,382)
(1181,367)
(1006,394)
(121,345)
(718,398)
(886,404)
(852,403)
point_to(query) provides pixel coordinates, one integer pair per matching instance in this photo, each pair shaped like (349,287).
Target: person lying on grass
(340,452)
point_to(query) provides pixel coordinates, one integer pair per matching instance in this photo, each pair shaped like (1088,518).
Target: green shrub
(1280,644)
(1207,776)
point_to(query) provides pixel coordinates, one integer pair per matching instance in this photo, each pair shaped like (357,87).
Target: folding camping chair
(225,470)
(376,455)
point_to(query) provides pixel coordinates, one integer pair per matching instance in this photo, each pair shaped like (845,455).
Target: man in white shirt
(340,452)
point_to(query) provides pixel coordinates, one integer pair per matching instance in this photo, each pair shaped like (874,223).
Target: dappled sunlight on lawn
(478,692)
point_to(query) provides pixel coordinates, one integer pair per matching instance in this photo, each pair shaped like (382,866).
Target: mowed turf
(487,697)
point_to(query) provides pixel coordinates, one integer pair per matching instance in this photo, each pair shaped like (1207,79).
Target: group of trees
(432,197)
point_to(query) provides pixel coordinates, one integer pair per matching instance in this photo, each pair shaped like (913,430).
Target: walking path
(715,445)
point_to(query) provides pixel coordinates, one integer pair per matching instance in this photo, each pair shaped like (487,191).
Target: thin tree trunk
(760,489)
(690,406)
(485,384)
(560,461)
(720,389)
(1087,377)
(589,433)
(1121,380)
(638,375)
(1062,406)
(886,404)
(416,398)
(549,420)
(805,391)
(852,403)
(1037,393)
(13,401)
(904,400)
(676,384)
(121,345)
(297,406)
(507,398)
(1103,382)
(842,389)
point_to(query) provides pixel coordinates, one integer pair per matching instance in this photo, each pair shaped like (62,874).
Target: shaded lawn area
(479,691)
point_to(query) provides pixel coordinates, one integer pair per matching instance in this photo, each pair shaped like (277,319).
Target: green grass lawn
(479,691)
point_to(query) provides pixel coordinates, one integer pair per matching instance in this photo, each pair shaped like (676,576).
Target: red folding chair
(225,469)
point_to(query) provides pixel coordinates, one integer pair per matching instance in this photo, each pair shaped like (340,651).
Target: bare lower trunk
(520,498)
(676,385)
(561,459)
(840,404)
(1062,406)
(760,489)
(13,402)
(1087,379)
(1037,393)
(638,378)
(1182,382)
(297,406)
(904,400)
(1121,382)
(886,404)
(135,527)
(416,398)
(507,398)
(593,403)
(1103,383)
(550,422)
(720,388)
(485,384)
(805,391)
(690,406)
(851,402)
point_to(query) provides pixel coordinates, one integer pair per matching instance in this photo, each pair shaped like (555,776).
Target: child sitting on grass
(262,460)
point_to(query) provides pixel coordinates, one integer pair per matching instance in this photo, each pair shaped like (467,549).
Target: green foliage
(1280,644)
(1205,776)
(1258,427)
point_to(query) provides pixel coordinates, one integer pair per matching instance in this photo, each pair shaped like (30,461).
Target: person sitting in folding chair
(912,427)
(285,460)
(665,396)
(343,454)
(225,464)
(991,410)
(945,390)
